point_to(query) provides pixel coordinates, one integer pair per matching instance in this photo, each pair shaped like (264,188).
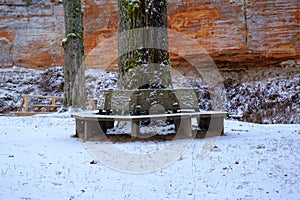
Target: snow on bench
(91,126)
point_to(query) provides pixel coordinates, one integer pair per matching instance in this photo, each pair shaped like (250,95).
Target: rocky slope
(269,100)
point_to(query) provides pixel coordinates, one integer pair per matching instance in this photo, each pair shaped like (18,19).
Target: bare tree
(74,72)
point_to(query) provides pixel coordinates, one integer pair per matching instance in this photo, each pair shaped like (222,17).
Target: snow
(18,80)
(13,83)
(39,160)
(272,100)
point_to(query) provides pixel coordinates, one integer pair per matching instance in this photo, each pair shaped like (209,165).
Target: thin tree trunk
(74,73)
(143,44)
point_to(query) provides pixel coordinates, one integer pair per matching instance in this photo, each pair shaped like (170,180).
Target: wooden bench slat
(46,106)
(157,116)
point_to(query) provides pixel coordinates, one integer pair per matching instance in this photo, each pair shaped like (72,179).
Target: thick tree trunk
(143,44)
(74,73)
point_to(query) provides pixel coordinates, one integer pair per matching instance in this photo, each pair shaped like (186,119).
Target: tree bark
(74,72)
(143,44)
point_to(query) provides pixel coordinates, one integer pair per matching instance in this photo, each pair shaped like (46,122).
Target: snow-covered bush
(274,100)
(13,83)
(52,81)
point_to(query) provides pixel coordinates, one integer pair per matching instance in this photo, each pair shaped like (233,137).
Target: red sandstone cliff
(246,32)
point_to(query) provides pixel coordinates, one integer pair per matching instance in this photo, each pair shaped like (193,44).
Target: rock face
(31,34)
(247,33)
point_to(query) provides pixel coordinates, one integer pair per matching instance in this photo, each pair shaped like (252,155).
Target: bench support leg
(183,126)
(216,126)
(79,132)
(93,131)
(135,128)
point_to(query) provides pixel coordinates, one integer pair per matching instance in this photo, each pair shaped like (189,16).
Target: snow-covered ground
(39,160)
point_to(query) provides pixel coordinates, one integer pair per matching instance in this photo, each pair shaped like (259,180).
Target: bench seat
(92,127)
